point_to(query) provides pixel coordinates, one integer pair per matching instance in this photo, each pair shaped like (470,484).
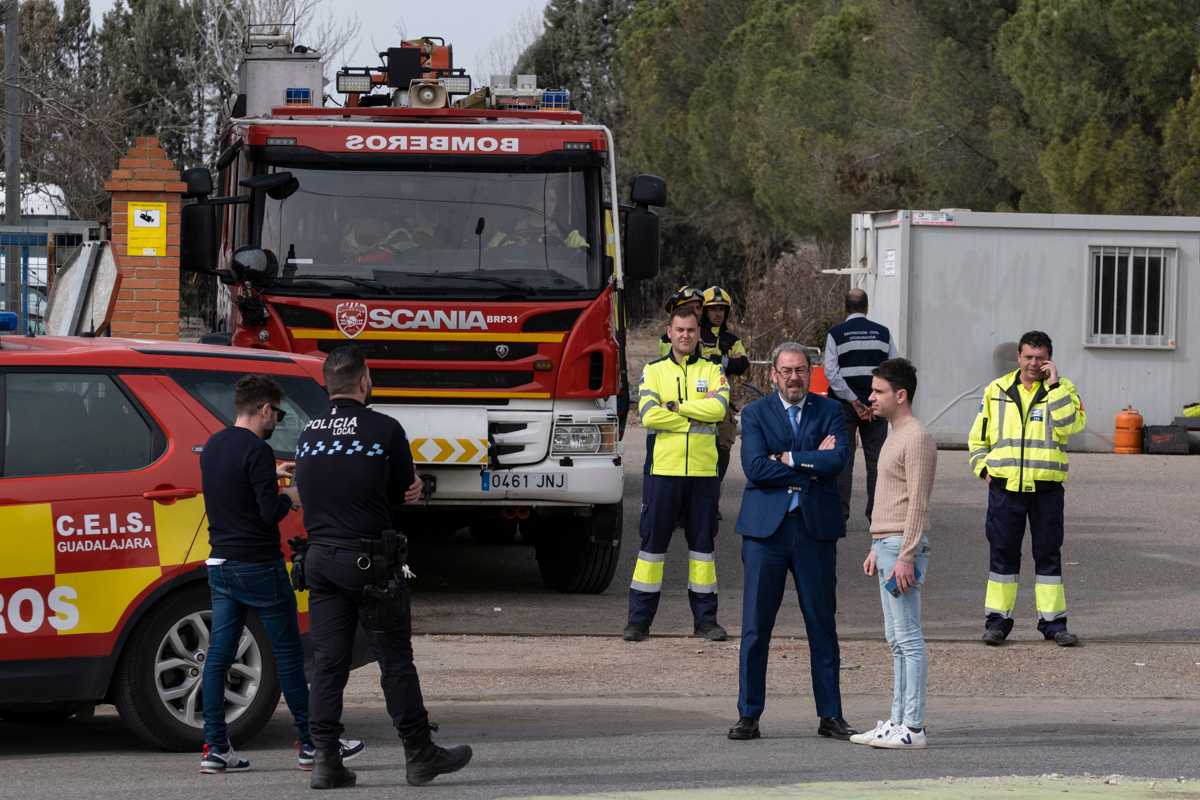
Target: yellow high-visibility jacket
(1021,436)
(682,442)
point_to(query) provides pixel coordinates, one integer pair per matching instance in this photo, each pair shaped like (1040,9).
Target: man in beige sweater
(899,552)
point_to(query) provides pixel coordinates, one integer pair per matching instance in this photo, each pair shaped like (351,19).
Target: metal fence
(36,251)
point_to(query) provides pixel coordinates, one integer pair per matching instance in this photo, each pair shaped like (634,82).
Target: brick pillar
(148,299)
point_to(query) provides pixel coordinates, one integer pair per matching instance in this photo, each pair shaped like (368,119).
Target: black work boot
(424,760)
(329,772)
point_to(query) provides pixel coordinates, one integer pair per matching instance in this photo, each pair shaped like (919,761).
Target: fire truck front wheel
(578,555)
(157,686)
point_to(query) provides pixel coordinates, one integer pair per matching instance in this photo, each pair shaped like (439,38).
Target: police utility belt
(385,560)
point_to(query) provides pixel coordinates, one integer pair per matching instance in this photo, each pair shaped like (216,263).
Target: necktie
(794,418)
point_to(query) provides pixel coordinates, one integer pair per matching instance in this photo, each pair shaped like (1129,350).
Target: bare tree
(222,26)
(501,56)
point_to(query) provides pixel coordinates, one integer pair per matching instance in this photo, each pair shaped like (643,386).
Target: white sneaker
(882,730)
(902,738)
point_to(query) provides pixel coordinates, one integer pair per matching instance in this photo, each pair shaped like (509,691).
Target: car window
(303,399)
(68,424)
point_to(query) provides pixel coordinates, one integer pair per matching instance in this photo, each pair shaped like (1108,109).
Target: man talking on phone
(1018,444)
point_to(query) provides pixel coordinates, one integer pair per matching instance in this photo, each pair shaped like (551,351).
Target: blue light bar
(8,321)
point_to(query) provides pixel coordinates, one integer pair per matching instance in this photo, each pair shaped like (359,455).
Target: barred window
(1131,296)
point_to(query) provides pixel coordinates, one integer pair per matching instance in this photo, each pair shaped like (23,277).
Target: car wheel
(158,684)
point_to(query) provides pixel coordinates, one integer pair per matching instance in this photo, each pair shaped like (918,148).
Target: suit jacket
(766,429)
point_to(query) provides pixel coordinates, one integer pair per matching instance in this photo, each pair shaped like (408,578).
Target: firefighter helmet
(683,295)
(716,296)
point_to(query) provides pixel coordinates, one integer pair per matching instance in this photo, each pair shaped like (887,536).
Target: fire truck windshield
(413,233)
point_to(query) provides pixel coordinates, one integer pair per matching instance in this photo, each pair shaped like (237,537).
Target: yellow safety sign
(147,229)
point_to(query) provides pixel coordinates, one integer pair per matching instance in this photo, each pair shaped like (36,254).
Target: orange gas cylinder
(1128,436)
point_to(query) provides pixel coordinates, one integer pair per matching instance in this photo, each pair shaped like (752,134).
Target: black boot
(424,760)
(329,772)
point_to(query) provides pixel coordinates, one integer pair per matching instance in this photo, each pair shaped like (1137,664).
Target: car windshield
(400,232)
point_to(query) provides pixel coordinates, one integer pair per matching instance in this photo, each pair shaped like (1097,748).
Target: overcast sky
(475,27)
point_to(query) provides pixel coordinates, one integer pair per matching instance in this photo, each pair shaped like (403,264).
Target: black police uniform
(353,466)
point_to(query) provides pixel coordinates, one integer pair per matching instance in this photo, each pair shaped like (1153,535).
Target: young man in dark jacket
(245,567)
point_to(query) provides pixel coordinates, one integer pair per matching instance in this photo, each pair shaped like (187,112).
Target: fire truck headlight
(590,439)
(347,83)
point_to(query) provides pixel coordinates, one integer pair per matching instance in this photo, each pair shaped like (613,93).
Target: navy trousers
(813,566)
(667,499)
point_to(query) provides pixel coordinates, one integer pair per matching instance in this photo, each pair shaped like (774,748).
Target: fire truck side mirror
(277,185)
(198,237)
(641,243)
(254,265)
(648,190)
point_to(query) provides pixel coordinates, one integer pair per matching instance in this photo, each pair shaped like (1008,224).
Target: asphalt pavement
(1131,562)
(616,746)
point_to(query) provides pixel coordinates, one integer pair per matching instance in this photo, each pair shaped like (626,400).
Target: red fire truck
(471,242)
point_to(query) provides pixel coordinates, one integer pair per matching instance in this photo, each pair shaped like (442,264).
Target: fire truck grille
(437,351)
(448,379)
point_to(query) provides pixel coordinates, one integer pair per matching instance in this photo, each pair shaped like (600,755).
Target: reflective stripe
(1065,421)
(998,578)
(696,556)
(1051,616)
(856,372)
(863,344)
(1050,599)
(648,572)
(702,573)
(647,405)
(1036,444)
(1001,595)
(1050,466)
(1048,579)
(1006,614)
(1062,401)
(976,456)
(649,393)
(702,427)
(724,400)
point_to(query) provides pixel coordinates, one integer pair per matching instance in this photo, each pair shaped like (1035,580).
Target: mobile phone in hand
(891,586)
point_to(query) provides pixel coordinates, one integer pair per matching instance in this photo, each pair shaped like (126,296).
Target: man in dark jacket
(245,567)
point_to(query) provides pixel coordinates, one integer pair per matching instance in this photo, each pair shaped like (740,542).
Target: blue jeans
(902,627)
(237,587)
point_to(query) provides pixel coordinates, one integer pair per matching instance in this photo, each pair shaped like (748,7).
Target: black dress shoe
(746,728)
(835,728)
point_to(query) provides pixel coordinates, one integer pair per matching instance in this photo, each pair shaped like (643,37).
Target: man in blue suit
(794,445)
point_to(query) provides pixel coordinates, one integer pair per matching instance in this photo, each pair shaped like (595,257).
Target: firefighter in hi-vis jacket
(1018,444)
(681,399)
(722,346)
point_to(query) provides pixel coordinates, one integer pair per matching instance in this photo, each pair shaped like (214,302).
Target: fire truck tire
(156,687)
(579,558)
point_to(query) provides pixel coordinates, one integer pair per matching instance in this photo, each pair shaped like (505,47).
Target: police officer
(353,468)
(722,346)
(685,296)
(853,349)
(681,399)
(1018,444)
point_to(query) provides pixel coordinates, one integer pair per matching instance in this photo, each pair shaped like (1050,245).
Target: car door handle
(169,494)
